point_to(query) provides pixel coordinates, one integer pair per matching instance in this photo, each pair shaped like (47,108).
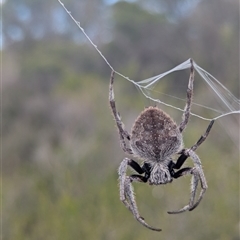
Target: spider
(155,138)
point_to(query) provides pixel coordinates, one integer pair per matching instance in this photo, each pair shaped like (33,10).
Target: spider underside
(155,138)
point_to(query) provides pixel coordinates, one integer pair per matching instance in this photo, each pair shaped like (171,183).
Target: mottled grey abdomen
(155,136)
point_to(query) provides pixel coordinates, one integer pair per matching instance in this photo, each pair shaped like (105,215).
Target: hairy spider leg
(126,189)
(187,109)
(185,153)
(122,132)
(203,137)
(183,157)
(197,174)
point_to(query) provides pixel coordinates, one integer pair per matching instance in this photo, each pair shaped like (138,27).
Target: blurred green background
(60,146)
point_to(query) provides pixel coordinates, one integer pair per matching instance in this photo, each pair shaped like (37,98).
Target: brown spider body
(155,136)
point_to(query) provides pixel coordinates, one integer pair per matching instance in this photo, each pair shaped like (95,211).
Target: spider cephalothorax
(155,138)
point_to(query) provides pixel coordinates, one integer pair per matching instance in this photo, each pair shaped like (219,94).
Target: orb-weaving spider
(155,138)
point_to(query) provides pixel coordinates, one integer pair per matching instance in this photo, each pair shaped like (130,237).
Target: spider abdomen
(155,136)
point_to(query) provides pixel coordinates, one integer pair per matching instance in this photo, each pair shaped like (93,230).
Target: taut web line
(229,100)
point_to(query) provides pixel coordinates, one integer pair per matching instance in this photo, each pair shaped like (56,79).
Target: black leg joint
(136,166)
(171,166)
(138,178)
(181,172)
(146,168)
(181,160)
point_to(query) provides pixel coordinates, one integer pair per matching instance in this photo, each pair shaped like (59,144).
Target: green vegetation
(60,146)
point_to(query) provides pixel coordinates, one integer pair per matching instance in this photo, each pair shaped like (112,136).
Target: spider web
(229,104)
(225,102)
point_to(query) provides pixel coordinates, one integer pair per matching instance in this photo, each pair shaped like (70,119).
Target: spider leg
(197,172)
(135,166)
(194,184)
(122,132)
(187,109)
(183,157)
(203,137)
(197,175)
(127,193)
(181,172)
